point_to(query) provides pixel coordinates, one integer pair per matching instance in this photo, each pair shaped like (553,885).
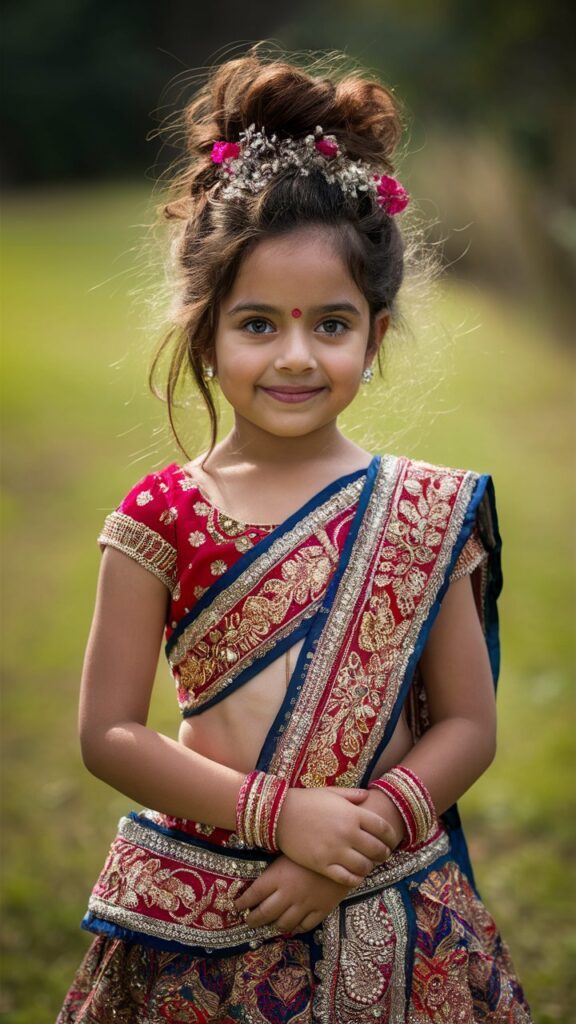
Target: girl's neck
(249,444)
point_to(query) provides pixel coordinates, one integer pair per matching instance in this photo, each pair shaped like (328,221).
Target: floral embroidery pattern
(169,515)
(143,498)
(364,687)
(302,580)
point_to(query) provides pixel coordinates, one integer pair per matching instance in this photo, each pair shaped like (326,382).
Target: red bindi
(296,313)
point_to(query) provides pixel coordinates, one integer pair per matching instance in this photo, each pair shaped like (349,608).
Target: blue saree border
(245,560)
(300,671)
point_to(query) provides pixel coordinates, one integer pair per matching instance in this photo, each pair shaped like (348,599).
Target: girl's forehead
(303,263)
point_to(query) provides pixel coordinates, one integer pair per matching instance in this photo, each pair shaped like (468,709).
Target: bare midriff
(233,731)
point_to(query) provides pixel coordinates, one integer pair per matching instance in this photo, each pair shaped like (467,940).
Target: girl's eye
(257,326)
(333,327)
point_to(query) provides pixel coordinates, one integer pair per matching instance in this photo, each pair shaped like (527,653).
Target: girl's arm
(117,679)
(461,742)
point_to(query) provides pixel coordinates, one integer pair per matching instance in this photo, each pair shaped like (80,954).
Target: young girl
(330,618)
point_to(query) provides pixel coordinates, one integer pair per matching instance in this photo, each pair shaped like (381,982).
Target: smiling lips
(292,394)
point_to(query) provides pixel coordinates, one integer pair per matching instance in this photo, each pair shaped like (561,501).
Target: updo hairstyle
(212,234)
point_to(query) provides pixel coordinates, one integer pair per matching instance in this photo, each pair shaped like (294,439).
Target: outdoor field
(482,384)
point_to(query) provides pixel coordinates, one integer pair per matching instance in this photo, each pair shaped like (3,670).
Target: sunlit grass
(484,387)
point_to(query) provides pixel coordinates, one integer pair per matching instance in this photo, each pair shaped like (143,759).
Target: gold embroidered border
(223,681)
(226,600)
(229,868)
(292,744)
(435,581)
(142,544)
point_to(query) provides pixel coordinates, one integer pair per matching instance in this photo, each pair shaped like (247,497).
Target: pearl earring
(367,375)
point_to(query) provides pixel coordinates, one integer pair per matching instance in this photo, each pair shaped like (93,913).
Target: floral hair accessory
(392,196)
(222,151)
(248,165)
(327,147)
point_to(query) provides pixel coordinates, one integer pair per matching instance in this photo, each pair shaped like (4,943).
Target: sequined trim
(142,544)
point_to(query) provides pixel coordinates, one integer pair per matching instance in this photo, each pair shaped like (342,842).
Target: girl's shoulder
(145,523)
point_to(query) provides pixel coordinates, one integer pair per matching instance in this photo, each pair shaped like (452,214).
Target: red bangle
(412,800)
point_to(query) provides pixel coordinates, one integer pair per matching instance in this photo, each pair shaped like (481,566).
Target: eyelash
(329,320)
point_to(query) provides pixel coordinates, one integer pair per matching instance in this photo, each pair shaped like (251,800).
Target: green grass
(485,387)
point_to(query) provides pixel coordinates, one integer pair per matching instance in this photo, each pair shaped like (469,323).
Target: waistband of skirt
(170,890)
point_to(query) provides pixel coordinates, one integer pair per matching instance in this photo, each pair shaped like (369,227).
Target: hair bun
(284,99)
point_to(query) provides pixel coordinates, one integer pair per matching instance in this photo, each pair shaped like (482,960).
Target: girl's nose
(294,351)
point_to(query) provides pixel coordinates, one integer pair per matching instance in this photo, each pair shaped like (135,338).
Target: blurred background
(482,377)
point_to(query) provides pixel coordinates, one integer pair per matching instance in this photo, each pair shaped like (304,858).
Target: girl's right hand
(328,831)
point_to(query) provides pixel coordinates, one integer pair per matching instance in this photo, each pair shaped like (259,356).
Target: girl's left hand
(290,897)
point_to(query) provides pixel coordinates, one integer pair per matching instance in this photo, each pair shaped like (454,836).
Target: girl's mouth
(292,394)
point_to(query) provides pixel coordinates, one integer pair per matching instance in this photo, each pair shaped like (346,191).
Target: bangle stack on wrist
(411,798)
(258,808)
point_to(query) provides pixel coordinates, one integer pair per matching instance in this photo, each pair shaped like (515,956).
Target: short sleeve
(143,527)
(472,555)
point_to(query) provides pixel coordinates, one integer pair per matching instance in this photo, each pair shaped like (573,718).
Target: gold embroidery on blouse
(142,544)
(144,497)
(169,515)
(302,581)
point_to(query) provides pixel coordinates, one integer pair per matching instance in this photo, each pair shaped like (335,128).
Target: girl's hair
(212,233)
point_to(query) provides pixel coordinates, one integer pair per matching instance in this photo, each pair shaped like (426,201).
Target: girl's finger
(254,895)
(266,912)
(338,873)
(353,796)
(309,922)
(358,864)
(289,921)
(372,848)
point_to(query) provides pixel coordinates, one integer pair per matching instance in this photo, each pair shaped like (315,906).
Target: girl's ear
(380,325)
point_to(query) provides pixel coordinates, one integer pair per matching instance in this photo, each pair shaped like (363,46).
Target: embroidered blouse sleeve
(472,555)
(143,527)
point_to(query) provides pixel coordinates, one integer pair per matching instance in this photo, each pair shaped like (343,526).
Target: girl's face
(292,336)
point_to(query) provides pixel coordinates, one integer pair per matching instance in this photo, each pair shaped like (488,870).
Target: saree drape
(359,574)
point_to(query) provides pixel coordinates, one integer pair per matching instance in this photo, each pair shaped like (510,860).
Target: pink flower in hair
(327,147)
(391,196)
(222,151)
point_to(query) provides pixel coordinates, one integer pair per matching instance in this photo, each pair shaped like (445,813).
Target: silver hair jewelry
(248,165)
(367,375)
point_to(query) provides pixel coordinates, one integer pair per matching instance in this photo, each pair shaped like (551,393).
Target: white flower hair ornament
(249,164)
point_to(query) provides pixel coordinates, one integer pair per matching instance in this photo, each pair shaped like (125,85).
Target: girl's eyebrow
(261,307)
